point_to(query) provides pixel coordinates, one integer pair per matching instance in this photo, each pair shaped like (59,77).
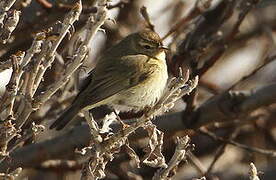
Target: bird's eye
(147,47)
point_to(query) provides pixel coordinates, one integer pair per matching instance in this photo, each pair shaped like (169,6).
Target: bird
(130,76)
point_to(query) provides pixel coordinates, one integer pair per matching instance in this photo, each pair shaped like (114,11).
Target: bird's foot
(124,125)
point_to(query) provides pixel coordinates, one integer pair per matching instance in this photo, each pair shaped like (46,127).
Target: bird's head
(147,42)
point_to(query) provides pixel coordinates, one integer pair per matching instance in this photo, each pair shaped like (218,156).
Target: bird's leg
(124,125)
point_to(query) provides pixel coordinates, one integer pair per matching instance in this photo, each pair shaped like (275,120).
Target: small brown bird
(131,75)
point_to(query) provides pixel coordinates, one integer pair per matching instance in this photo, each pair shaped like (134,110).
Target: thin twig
(9,26)
(221,150)
(7,100)
(223,42)
(196,11)
(145,15)
(266,63)
(5,5)
(270,153)
(196,163)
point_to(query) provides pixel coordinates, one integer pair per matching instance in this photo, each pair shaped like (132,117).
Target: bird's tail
(66,117)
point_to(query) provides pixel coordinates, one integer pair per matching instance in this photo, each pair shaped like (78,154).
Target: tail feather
(65,118)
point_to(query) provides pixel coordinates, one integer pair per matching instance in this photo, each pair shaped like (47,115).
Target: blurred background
(229,44)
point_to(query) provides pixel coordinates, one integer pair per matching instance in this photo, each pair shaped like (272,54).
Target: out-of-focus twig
(245,7)
(221,150)
(12,175)
(196,163)
(60,165)
(200,36)
(196,11)
(270,153)
(253,173)
(5,65)
(145,15)
(231,104)
(45,3)
(267,62)
(120,4)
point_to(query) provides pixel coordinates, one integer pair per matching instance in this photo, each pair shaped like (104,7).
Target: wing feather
(111,77)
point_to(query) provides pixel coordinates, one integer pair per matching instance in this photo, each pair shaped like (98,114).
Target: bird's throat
(161,56)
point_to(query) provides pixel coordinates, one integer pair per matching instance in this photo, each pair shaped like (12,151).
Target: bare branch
(145,15)
(5,5)
(231,104)
(179,155)
(9,26)
(71,17)
(7,100)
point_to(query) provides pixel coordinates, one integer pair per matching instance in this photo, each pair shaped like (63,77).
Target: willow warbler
(131,75)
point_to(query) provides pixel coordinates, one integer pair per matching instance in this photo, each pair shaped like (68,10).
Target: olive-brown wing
(108,78)
(112,76)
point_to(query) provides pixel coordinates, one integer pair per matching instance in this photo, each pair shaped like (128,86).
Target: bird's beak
(164,48)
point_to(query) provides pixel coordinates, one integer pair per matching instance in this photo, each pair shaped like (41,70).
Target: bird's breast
(149,91)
